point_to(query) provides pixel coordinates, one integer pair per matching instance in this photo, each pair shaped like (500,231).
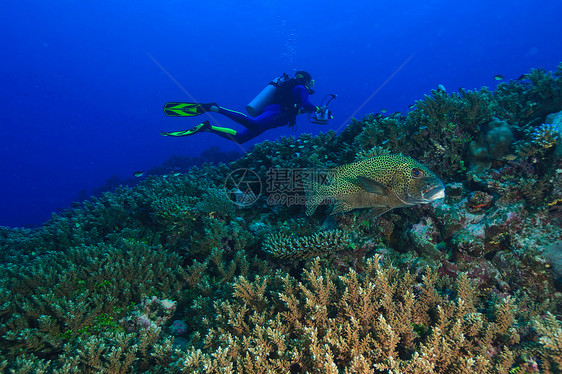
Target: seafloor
(219,270)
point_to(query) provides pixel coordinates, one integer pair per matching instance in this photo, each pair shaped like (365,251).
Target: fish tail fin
(315,195)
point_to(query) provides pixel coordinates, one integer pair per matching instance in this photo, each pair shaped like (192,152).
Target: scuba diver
(277,105)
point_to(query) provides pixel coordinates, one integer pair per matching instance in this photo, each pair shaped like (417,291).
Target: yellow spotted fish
(381,182)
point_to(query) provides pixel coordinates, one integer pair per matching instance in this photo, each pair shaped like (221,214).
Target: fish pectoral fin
(341,207)
(371,185)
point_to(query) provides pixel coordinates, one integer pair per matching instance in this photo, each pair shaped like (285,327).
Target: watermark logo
(243,187)
(284,186)
(287,186)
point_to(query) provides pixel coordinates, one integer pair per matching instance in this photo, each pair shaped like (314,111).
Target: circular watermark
(243,187)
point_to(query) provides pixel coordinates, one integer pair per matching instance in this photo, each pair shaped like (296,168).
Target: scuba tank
(266,96)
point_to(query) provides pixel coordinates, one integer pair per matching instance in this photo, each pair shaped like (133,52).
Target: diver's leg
(271,119)
(236,136)
(241,118)
(273,116)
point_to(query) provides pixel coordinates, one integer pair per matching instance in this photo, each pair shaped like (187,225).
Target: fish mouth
(434,193)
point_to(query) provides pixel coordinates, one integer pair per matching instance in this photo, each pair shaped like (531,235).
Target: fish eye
(417,173)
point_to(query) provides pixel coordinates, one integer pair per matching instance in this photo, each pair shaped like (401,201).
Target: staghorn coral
(550,330)
(544,83)
(368,153)
(56,300)
(108,352)
(382,320)
(538,143)
(78,322)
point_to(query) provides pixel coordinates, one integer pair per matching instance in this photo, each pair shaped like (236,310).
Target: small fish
(523,77)
(138,174)
(509,157)
(441,88)
(383,110)
(382,182)
(498,77)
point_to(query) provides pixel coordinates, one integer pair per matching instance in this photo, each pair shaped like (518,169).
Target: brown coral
(378,321)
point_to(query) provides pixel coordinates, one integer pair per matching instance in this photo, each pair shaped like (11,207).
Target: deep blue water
(83,82)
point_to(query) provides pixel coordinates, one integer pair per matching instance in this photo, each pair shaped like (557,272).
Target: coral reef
(546,136)
(493,144)
(150,314)
(172,276)
(382,320)
(319,244)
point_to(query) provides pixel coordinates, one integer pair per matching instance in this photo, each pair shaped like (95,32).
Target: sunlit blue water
(83,82)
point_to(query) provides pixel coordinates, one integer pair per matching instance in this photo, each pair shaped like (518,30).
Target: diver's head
(304,78)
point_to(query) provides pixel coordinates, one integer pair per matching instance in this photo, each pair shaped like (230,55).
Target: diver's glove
(319,109)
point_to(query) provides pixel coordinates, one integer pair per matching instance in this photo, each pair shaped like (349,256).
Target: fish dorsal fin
(373,152)
(371,185)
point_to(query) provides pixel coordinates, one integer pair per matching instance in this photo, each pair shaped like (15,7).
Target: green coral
(177,212)
(318,244)
(229,236)
(57,298)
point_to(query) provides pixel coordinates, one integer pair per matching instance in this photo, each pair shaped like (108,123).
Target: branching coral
(57,299)
(74,327)
(322,243)
(550,330)
(546,135)
(381,320)
(175,212)
(220,234)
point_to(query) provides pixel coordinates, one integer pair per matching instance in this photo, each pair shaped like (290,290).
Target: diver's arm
(302,95)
